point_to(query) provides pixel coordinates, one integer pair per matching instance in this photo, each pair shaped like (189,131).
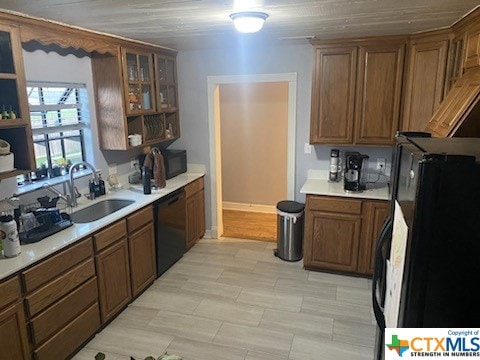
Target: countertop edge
(33,253)
(324,187)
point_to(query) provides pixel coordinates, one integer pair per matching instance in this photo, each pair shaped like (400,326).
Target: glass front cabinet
(16,145)
(138,82)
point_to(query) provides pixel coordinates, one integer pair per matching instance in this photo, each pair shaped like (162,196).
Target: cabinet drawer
(65,310)
(54,266)
(48,294)
(10,291)
(193,187)
(331,204)
(140,218)
(65,342)
(109,235)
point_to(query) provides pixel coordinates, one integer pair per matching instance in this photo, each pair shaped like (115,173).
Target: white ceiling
(193,24)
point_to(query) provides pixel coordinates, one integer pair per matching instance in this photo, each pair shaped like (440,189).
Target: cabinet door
(378,96)
(200,212)
(113,279)
(141,248)
(472,50)
(455,60)
(13,332)
(331,241)
(375,214)
(138,78)
(425,82)
(191,230)
(333,93)
(166,81)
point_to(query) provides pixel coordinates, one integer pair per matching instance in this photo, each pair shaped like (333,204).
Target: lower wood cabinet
(141,250)
(374,215)
(332,233)
(340,233)
(113,271)
(13,328)
(195,207)
(61,300)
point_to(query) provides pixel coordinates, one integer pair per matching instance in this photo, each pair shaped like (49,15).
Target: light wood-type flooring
(231,299)
(249,225)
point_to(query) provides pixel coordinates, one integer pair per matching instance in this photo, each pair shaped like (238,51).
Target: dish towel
(154,160)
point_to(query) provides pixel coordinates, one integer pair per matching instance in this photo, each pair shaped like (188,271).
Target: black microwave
(175,162)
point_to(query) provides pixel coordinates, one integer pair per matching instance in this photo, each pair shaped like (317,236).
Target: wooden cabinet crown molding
(49,32)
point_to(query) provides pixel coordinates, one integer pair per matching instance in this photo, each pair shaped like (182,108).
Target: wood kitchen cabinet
(333,95)
(62,301)
(195,208)
(472,49)
(455,60)
(374,215)
(141,249)
(13,329)
(16,129)
(356,91)
(113,270)
(425,79)
(332,233)
(136,93)
(340,233)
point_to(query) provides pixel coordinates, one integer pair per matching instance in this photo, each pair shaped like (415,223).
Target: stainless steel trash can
(290,215)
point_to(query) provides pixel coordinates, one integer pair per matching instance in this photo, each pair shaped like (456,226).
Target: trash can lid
(292,207)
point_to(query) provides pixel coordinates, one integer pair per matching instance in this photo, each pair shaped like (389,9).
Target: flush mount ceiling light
(248,21)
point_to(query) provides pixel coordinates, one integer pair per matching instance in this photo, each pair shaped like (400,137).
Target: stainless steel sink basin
(99,210)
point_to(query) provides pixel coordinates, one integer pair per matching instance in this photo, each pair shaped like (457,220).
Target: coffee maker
(355,171)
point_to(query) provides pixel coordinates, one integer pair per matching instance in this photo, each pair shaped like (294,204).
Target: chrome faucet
(73,196)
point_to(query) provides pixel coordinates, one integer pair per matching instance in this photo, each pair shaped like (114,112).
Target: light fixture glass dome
(248,21)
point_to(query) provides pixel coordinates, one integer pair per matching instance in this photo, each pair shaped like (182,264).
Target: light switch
(308,148)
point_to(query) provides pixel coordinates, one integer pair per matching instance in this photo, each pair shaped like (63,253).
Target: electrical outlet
(308,148)
(381,163)
(112,169)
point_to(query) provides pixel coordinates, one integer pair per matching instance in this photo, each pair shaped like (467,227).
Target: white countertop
(32,253)
(317,184)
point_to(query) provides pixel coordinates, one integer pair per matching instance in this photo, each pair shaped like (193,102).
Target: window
(58,113)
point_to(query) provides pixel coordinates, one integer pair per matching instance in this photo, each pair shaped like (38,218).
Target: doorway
(215,84)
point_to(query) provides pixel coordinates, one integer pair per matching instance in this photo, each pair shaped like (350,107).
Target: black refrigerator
(427,256)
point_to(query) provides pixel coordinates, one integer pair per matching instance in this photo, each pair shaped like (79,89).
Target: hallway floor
(232,299)
(254,225)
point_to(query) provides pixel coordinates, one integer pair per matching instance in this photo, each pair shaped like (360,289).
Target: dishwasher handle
(171,198)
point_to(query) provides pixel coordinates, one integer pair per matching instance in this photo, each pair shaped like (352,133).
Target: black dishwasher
(170,220)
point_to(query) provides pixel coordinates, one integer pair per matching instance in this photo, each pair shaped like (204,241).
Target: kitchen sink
(99,210)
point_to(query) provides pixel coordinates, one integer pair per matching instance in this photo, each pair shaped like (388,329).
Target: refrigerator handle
(385,235)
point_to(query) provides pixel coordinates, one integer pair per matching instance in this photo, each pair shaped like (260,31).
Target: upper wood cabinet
(333,95)
(138,82)
(379,88)
(14,112)
(136,93)
(472,49)
(356,92)
(425,78)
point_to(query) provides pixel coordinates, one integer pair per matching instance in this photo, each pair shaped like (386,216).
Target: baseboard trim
(269,209)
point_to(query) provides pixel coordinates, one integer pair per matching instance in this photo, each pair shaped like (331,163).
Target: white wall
(194,67)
